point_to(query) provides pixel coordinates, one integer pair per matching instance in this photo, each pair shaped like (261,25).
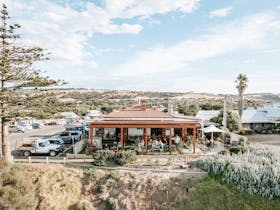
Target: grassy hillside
(82,100)
(58,187)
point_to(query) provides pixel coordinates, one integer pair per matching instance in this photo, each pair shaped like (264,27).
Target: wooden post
(125,135)
(29,160)
(91,137)
(184,134)
(146,137)
(163,133)
(170,141)
(122,144)
(47,160)
(194,139)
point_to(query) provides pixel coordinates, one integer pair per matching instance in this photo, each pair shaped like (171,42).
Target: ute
(40,146)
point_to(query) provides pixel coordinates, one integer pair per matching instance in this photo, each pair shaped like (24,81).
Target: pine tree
(16,72)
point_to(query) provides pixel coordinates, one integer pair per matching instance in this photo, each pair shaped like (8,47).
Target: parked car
(51,123)
(40,146)
(69,137)
(66,137)
(77,135)
(36,125)
(57,141)
(16,129)
(80,128)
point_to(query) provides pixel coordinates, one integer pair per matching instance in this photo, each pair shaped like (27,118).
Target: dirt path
(148,170)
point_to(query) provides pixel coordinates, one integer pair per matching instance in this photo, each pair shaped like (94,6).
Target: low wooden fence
(70,158)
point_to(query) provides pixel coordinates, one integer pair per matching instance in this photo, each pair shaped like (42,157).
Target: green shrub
(224,152)
(237,149)
(124,157)
(246,132)
(102,157)
(90,176)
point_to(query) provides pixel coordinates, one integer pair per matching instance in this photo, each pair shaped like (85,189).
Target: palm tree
(242,84)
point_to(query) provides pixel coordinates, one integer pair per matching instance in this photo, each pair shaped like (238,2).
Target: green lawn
(209,193)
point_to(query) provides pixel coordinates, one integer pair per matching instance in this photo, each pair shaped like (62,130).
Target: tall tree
(16,72)
(233,121)
(242,84)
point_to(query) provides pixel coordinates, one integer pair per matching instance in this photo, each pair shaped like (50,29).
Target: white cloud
(220,12)
(65,30)
(249,61)
(147,8)
(275,50)
(247,33)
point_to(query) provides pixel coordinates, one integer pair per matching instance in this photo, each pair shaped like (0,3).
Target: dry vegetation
(58,187)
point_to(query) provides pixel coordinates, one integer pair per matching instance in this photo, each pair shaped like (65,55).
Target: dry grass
(57,187)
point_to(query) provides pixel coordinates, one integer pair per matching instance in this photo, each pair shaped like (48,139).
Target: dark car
(66,137)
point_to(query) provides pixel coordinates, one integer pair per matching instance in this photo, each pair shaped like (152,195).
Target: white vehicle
(26,126)
(16,128)
(40,146)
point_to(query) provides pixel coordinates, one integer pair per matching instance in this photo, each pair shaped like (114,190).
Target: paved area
(45,132)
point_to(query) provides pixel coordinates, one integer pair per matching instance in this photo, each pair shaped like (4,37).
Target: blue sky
(155,45)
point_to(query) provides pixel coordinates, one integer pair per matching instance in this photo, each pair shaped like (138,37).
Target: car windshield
(47,143)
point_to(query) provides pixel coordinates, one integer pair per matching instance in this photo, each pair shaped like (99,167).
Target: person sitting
(156,142)
(115,146)
(164,141)
(106,147)
(161,145)
(177,141)
(150,145)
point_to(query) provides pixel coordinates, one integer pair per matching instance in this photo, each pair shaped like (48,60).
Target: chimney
(170,109)
(143,105)
(154,104)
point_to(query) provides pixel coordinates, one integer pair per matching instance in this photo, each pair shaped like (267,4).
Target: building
(140,121)
(70,117)
(255,119)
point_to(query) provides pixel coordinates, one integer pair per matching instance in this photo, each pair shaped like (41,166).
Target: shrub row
(102,157)
(256,171)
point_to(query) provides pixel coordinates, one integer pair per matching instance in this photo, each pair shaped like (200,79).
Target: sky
(155,45)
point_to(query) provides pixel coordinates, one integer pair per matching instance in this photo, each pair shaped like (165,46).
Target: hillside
(82,100)
(60,187)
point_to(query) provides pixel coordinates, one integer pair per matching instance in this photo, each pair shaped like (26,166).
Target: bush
(257,171)
(102,157)
(237,149)
(124,157)
(224,152)
(246,132)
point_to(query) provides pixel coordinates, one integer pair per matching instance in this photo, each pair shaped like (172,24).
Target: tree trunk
(7,157)
(240,105)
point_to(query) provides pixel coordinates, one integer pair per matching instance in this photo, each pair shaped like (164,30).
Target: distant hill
(82,100)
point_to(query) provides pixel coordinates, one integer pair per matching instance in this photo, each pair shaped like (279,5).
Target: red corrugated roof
(146,123)
(136,112)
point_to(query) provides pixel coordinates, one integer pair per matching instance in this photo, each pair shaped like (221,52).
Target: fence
(78,147)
